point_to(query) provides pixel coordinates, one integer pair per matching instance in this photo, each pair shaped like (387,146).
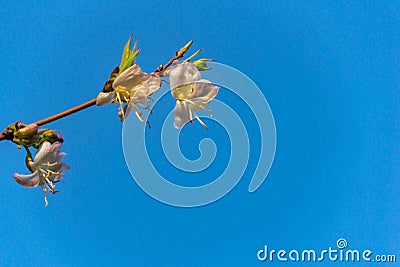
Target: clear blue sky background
(329,70)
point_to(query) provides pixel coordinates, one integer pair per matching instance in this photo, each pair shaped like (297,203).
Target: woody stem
(92,102)
(60,115)
(178,54)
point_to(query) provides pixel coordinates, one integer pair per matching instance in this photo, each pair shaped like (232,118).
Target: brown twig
(59,115)
(178,54)
(92,102)
(67,112)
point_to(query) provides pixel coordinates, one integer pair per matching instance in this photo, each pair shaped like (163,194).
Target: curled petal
(105,98)
(48,157)
(61,155)
(41,154)
(55,148)
(31,180)
(181,114)
(130,78)
(153,83)
(63,167)
(143,91)
(204,92)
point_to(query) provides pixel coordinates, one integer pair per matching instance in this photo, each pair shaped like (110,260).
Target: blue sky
(330,73)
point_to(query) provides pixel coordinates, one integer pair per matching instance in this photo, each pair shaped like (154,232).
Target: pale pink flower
(133,87)
(191,92)
(46,168)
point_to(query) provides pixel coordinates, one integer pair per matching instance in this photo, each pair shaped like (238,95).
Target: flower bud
(183,50)
(201,64)
(26,131)
(26,135)
(51,136)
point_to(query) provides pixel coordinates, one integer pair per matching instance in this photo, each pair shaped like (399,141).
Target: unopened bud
(201,63)
(26,131)
(51,136)
(183,50)
(26,135)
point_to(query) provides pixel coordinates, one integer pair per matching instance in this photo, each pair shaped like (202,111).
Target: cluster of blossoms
(129,87)
(132,88)
(46,167)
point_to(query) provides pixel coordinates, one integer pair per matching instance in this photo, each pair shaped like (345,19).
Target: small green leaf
(128,55)
(201,63)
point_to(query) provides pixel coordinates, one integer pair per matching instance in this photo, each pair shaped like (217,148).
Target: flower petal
(204,91)
(55,148)
(183,72)
(31,180)
(181,114)
(63,167)
(130,77)
(141,93)
(153,83)
(41,154)
(105,98)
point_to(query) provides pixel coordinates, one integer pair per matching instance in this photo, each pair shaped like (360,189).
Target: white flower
(46,168)
(190,91)
(133,87)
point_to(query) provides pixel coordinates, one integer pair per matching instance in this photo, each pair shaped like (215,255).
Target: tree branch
(60,115)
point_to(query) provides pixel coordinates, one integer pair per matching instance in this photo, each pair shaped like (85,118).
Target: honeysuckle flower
(191,92)
(46,168)
(132,87)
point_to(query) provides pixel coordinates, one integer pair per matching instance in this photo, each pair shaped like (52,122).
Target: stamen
(138,113)
(148,123)
(120,107)
(51,164)
(47,173)
(46,203)
(190,116)
(195,104)
(45,182)
(49,184)
(202,123)
(44,194)
(145,107)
